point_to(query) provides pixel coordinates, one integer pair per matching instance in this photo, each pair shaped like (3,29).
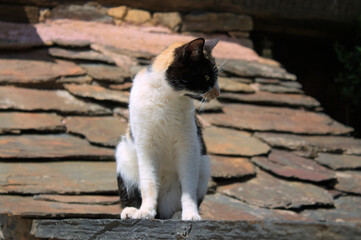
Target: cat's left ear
(195,48)
(210,44)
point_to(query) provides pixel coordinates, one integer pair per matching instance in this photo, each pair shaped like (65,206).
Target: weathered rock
(45,100)
(76,80)
(220,207)
(274,119)
(18,13)
(72,43)
(228,85)
(348,209)
(339,162)
(121,87)
(289,165)
(137,16)
(79,55)
(108,73)
(279,89)
(98,93)
(68,177)
(216,22)
(16,122)
(232,142)
(267,80)
(288,84)
(118,12)
(346,145)
(212,106)
(349,181)
(50,146)
(269,192)
(231,167)
(80,199)
(123,112)
(171,20)
(265,98)
(100,130)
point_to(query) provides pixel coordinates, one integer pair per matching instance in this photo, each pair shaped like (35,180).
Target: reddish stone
(102,72)
(349,181)
(279,89)
(229,85)
(231,167)
(339,162)
(82,199)
(121,87)
(77,80)
(79,55)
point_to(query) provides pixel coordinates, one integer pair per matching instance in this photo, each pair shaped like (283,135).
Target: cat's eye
(206,77)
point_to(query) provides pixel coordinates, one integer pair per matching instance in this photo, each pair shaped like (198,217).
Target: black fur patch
(200,137)
(128,197)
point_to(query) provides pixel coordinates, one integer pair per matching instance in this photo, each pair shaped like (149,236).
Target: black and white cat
(162,164)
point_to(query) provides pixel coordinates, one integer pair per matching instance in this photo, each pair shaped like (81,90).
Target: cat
(162,162)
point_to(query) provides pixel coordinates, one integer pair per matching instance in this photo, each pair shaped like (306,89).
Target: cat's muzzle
(212,93)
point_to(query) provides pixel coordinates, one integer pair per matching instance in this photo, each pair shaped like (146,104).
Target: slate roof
(63,96)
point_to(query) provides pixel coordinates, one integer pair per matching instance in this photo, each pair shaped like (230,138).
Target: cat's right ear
(194,49)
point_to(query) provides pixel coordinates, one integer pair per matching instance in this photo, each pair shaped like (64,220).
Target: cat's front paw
(191,217)
(144,214)
(128,212)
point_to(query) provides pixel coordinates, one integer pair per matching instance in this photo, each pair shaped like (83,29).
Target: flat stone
(100,130)
(231,167)
(266,98)
(16,122)
(79,199)
(279,89)
(349,181)
(288,84)
(348,209)
(267,80)
(121,87)
(258,118)
(118,12)
(71,43)
(98,93)
(232,142)
(338,161)
(137,16)
(229,85)
(79,55)
(46,100)
(269,192)
(347,145)
(212,106)
(105,72)
(220,207)
(289,165)
(85,79)
(28,207)
(69,177)
(33,146)
(171,20)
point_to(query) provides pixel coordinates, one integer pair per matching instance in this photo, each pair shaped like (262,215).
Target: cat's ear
(210,44)
(194,49)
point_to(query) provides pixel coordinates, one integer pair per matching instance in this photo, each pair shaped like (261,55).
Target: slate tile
(348,209)
(347,145)
(79,199)
(266,98)
(79,55)
(232,142)
(102,72)
(121,87)
(279,89)
(85,12)
(258,118)
(100,130)
(220,207)
(32,146)
(338,161)
(98,93)
(68,177)
(212,106)
(229,85)
(231,167)
(289,84)
(266,80)
(269,192)
(16,122)
(349,181)
(85,79)
(289,165)
(46,100)
(71,43)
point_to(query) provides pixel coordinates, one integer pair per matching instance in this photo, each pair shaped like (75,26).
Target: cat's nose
(213,93)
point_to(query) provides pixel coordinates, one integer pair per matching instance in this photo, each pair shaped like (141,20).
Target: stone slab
(267,191)
(85,79)
(16,122)
(280,89)
(335,144)
(79,199)
(212,106)
(32,146)
(338,161)
(46,100)
(69,177)
(89,55)
(98,93)
(288,165)
(229,85)
(102,72)
(349,181)
(121,87)
(231,167)
(265,98)
(232,142)
(258,118)
(100,130)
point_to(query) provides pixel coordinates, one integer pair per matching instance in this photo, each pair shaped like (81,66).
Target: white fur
(164,163)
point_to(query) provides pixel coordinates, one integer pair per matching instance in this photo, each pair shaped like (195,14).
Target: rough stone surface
(216,22)
(79,199)
(349,181)
(279,89)
(16,122)
(71,43)
(172,20)
(45,100)
(98,93)
(231,167)
(334,144)
(276,119)
(229,85)
(76,80)
(118,12)
(121,87)
(68,177)
(289,165)
(265,98)
(50,146)
(79,55)
(137,16)
(338,161)
(105,72)
(269,192)
(232,142)
(212,106)
(100,130)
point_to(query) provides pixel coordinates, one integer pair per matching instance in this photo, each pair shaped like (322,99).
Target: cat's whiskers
(222,65)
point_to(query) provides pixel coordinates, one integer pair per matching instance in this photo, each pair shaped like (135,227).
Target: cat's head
(193,69)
